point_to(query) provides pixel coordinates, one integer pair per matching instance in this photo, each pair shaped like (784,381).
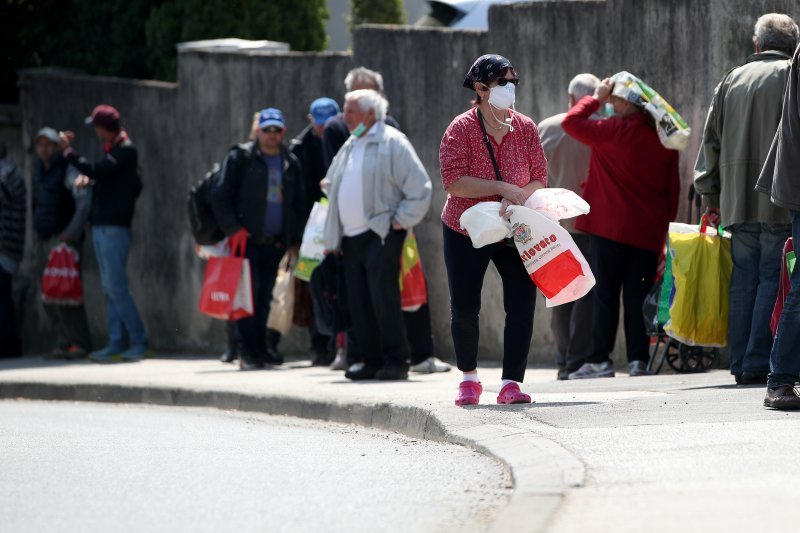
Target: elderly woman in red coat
(632,188)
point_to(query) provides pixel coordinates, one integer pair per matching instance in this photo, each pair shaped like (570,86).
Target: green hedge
(136,38)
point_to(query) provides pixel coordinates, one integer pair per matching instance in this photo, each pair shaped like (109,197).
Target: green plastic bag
(667,286)
(701,268)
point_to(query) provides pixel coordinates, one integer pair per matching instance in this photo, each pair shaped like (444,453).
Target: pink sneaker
(511,394)
(469,393)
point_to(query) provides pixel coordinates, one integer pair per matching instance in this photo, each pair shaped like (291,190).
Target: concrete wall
(681,47)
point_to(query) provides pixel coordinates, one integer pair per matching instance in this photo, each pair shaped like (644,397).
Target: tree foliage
(377,12)
(137,38)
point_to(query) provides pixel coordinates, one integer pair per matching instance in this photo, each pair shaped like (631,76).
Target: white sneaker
(431,365)
(340,362)
(637,368)
(355,367)
(594,370)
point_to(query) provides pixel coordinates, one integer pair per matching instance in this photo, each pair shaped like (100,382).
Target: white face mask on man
(502,97)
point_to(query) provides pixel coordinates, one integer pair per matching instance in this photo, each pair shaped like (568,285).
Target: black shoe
(784,397)
(365,372)
(273,357)
(228,357)
(250,365)
(752,378)
(563,374)
(392,371)
(322,359)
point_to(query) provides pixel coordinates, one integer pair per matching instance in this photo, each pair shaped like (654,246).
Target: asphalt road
(94,467)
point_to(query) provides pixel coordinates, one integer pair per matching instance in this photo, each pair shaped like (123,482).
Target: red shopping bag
(413,290)
(784,285)
(61,279)
(227,288)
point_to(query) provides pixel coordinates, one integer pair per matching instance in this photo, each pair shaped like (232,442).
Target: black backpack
(201,216)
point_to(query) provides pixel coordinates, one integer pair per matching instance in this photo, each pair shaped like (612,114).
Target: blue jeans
(111,246)
(756,250)
(784,361)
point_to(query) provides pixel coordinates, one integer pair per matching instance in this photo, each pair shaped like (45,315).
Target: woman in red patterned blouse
(469,177)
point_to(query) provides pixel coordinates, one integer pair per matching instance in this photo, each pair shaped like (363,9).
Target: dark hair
(3,150)
(649,120)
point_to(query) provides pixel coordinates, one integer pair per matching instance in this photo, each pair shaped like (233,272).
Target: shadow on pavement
(525,406)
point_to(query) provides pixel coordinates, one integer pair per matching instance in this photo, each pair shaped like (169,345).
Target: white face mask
(502,97)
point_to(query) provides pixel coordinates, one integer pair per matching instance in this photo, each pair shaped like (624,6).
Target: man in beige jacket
(568,168)
(741,124)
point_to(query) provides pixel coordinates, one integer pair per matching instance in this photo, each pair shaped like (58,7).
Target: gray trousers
(572,323)
(68,322)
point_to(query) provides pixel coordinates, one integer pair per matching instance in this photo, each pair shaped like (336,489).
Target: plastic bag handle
(704,224)
(238,243)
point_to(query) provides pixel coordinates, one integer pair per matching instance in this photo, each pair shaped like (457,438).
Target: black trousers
(264,260)
(10,345)
(372,271)
(572,322)
(418,333)
(466,267)
(620,267)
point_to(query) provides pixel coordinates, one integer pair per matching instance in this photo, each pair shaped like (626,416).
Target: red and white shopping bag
(61,279)
(227,288)
(551,257)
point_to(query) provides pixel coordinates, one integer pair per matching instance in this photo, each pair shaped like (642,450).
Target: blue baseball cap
(270,117)
(322,109)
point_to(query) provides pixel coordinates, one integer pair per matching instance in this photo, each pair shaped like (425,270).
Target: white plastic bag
(312,249)
(484,224)
(557,204)
(207,251)
(281,310)
(551,257)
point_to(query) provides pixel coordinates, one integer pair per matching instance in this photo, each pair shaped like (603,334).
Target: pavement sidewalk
(655,452)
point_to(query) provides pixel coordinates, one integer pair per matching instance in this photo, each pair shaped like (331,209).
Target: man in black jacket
(307,147)
(60,213)
(12,242)
(115,187)
(261,192)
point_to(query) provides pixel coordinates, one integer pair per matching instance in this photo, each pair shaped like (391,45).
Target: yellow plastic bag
(701,266)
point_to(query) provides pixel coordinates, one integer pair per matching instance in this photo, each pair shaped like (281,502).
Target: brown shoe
(57,353)
(784,397)
(76,352)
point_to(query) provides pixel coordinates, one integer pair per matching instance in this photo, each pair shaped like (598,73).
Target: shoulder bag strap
(489,146)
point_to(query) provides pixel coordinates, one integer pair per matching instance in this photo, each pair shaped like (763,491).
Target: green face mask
(359,131)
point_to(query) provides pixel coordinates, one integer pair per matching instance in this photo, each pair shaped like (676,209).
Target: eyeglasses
(502,82)
(271,129)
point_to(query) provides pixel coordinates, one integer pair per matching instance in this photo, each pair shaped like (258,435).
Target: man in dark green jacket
(261,192)
(741,124)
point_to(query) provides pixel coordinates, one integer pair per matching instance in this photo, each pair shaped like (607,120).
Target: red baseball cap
(104,116)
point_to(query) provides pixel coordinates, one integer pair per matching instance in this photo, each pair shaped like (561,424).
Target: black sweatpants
(372,271)
(10,345)
(620,267)
(264,261)
(572,322)
(466,267)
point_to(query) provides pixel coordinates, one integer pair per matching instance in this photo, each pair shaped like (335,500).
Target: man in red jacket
(632,188)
